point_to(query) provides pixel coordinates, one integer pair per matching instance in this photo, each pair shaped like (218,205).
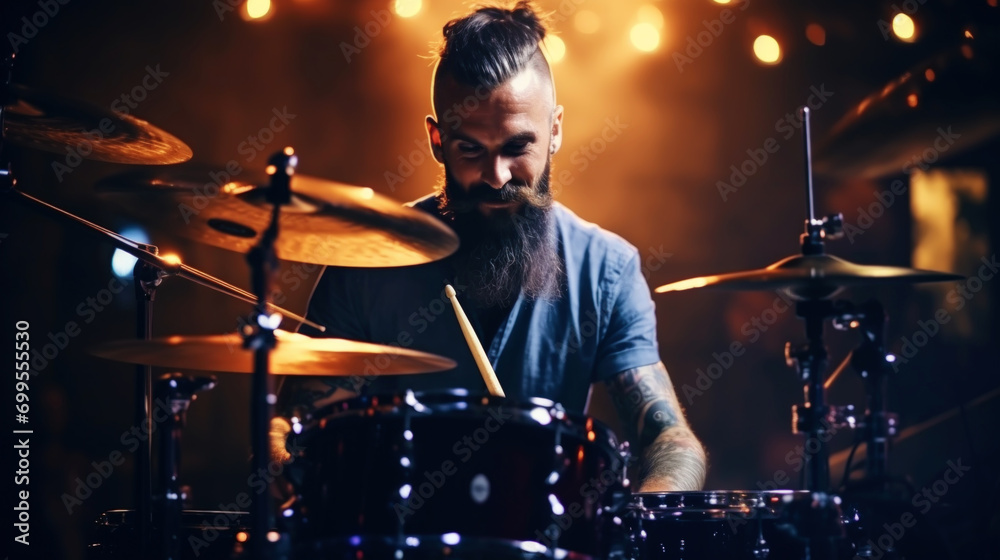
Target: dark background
(655,185)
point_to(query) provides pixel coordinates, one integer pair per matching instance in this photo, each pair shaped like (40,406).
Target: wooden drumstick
(489,376)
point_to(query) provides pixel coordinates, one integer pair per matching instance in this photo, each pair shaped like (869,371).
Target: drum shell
(472,467)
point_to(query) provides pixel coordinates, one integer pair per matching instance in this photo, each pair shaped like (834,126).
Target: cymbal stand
(147,278)
(871,361)
(258,335)
(177,390)
(810,359)
(811,418)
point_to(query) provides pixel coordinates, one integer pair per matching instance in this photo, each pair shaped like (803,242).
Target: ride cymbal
(55,124)
(326,222)
(293,354)
(810,277)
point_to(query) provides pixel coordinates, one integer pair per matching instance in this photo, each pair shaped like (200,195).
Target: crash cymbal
(55,124)
(326,223)
(293,354)
(810,277)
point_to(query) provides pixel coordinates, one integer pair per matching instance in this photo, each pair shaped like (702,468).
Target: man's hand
(278,435)
(671,457)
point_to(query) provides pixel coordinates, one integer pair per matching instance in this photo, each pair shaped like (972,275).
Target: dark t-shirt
(602,323)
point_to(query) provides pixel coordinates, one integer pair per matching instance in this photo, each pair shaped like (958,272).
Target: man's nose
(496,172)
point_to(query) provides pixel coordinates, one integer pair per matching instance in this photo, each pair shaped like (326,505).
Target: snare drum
(447,474)
(734,525)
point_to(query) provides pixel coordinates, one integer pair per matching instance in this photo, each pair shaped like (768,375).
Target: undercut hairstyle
(491,45)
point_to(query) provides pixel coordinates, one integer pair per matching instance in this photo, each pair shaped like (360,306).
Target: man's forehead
(528,92)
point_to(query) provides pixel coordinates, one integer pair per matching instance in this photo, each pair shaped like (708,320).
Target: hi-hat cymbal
(326,223)
(293,354)
(810,277)
(54,124)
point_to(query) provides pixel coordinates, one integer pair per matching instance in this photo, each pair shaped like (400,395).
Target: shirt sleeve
(630,338)
(333,306)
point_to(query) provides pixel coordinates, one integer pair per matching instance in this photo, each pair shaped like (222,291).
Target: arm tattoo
(671,456)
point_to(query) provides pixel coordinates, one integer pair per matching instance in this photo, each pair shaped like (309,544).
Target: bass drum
(736,525)
(448,475)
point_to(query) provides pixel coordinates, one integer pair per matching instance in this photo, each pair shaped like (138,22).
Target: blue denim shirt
(603,323)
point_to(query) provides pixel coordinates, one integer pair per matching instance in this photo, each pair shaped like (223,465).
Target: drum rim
(714,500)
(396,401)
(433,541)
(205,518)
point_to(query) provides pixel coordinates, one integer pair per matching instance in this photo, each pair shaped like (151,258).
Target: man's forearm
(671,457)
(674,461)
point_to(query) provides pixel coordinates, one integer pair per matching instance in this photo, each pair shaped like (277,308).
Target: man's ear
(557,129)
(434,137)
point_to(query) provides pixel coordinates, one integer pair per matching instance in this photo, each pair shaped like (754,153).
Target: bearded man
(558,303)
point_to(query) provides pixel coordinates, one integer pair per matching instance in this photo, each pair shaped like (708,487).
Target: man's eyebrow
(524,137)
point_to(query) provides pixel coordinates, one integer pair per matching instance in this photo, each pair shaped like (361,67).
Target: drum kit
(410,475)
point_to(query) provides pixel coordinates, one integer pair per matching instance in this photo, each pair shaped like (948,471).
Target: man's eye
(516,149)
(468,149)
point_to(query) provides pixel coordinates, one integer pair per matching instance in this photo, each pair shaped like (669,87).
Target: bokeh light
(257,9)
(555,48)
(122,263)
(767,49)
(407,8)
(645,37)
(904,28)
(816,34)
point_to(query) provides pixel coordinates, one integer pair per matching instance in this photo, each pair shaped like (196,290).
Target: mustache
(513,191)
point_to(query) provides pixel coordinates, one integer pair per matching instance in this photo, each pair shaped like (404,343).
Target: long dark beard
(504,254)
